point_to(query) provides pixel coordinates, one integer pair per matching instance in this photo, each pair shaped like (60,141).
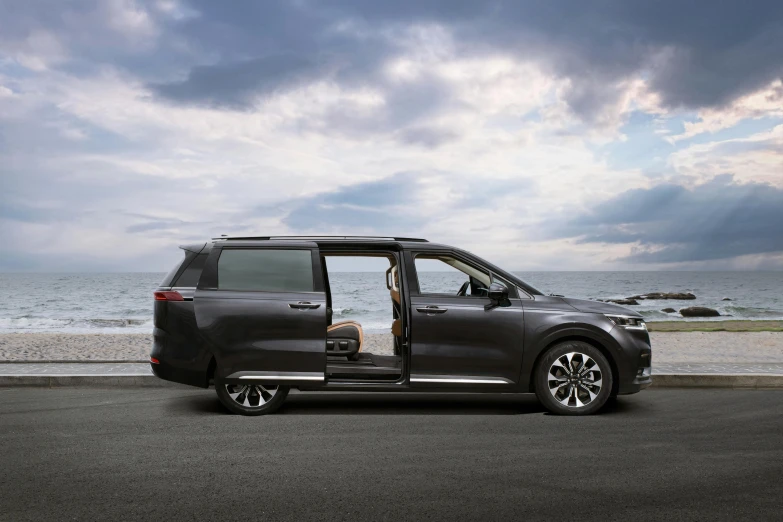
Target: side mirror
(498,295)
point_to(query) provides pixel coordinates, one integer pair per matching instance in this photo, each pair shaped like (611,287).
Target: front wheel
(251,399)
(573,378)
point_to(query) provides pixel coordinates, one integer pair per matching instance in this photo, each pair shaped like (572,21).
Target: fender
(539,337)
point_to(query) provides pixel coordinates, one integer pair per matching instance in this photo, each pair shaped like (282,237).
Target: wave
(117,323)
(749,312)
(362,311)
(27,323)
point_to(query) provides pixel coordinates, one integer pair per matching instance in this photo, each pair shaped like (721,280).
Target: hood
(597,307)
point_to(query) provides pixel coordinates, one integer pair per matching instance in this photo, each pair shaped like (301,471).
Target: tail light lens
(168,296)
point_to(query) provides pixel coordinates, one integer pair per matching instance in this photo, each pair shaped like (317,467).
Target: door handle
(304,305)
(432,310)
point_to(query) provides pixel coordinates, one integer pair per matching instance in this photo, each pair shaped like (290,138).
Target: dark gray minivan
(253,316)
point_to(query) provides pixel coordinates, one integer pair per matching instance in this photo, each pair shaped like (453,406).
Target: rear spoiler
(195,248)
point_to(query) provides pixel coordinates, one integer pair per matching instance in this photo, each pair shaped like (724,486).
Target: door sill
(457,379)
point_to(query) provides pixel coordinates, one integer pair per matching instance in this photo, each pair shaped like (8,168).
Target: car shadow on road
(329,403)
(345,403)
(410,404)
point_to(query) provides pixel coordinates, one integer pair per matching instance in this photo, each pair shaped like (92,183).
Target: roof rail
(267,238)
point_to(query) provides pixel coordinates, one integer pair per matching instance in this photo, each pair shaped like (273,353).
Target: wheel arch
(585,339)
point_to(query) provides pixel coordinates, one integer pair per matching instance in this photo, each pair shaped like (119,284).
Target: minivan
(253,316)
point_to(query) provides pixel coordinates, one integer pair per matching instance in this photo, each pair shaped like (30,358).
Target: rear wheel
(573,378)
(251,399)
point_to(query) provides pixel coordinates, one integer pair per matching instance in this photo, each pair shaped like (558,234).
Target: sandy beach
(33,347)
(668,347)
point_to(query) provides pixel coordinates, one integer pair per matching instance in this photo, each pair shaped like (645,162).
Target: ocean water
(122,302)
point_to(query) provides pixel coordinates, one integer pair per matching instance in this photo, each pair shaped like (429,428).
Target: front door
(262,307)
(455,340)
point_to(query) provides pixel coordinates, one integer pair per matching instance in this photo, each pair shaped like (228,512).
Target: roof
(320,238)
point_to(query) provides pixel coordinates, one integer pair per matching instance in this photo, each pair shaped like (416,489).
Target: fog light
(644,371)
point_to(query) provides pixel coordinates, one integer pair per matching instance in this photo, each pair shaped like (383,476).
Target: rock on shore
(682,296)
(634,299)
(629,301)
(699,311)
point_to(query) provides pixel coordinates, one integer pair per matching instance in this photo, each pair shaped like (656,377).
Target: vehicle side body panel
(465,340)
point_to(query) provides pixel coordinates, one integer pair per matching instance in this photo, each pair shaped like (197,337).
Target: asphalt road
(175,453)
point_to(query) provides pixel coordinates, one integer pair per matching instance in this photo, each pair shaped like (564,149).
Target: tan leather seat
(395,289)
(393,282)
(396,328)
(344,327)
(344,339)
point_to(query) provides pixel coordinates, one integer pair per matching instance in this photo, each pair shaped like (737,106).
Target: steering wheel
(463,290)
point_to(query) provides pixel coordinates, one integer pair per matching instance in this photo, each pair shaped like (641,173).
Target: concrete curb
(717,380)
(77,361)
(85,381)
(679,380)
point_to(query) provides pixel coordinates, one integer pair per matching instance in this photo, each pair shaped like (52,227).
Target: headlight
(627,322)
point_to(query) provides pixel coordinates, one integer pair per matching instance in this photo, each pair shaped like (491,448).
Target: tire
(573,378)
(251,399)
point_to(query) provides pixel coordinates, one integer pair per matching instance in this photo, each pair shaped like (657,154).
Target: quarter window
(192,273)
(266,270)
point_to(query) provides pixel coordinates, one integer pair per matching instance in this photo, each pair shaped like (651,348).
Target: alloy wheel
(251,395)
(575,379)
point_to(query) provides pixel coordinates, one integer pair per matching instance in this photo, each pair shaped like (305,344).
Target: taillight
(168,296)
(154,360)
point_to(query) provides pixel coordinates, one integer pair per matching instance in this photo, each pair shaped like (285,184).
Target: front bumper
(642,380)
(636,374)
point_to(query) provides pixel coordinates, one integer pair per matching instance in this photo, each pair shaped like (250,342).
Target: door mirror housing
(498,295)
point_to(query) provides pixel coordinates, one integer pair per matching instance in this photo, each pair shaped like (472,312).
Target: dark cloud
(670,223)
(238,85)
(695,54)
(227,54)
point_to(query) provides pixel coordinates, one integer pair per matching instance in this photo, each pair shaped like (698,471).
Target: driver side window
(444,274)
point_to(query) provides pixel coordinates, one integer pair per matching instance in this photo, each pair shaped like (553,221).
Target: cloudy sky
(542,135)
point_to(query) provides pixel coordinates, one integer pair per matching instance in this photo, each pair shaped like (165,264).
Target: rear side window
(173,272)
(266,270)
(192,273)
